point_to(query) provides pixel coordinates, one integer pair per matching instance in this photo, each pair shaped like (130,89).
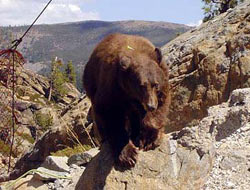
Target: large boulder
(173,165)
(207,64)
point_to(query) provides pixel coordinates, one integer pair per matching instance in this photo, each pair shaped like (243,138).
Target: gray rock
(232,160)
(231,121)
(45,174)
(83,158)
(21,105)
(56,163)
(173,165)
(36,106)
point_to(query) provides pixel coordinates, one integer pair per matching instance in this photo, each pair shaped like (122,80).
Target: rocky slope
(212,155)
(73,128)
(207,63)
(34,113)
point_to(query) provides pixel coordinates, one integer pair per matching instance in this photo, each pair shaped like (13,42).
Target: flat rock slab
(56,163)
(45,174)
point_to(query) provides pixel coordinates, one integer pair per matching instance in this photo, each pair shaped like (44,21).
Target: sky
(23,12)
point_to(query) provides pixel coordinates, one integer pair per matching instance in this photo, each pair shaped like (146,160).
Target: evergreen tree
(57,80)
(70,73)
(213,8)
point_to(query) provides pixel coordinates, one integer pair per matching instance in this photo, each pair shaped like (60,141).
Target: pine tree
(57,80)
(213,8)
(70,73)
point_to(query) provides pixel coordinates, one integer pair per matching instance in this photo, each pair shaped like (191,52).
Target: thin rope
(13,49)
(13,108)
(18,41)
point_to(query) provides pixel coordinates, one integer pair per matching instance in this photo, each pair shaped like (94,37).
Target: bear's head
(143,78)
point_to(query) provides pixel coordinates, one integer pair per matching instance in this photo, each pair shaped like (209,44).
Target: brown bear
(126,80)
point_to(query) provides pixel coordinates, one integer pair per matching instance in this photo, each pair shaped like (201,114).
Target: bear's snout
(151,103)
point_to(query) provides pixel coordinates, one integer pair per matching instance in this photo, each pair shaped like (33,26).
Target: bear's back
(102,65)
(117,44)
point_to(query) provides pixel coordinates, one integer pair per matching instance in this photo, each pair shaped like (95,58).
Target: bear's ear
(158,55)
(124,62)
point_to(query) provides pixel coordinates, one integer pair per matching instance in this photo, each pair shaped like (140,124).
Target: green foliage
(71,151)
(4,148)
(34,97)
(213,8)
(43,120)
(20,91)
(27,137)
(69,73)
(57,79)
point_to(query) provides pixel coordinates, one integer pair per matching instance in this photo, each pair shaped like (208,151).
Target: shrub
(71,151)
(43,120)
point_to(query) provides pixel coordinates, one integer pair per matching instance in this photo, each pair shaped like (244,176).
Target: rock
(83,158)
(21,105)
(230,117)
(44,174)
(56,163)
(25,98)
(74,118)
(240,97)
(69,184)
(35,106)
(71,95)
(231,131)
(176,164)
(27,183)
(207,64)
(232,159)
(93,152)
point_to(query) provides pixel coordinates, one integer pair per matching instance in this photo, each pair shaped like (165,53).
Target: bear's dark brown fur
(127,83)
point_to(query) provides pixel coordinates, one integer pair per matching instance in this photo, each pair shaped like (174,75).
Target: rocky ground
(34,113)
(215,154)
(232,162)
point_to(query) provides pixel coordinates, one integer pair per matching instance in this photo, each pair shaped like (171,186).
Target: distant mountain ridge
(75,41)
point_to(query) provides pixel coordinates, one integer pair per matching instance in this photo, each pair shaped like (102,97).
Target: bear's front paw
(150,138)
(128,155)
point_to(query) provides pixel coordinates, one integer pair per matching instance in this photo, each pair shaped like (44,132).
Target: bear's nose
(151,107)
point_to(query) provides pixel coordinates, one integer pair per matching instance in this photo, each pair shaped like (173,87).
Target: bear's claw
(128,155)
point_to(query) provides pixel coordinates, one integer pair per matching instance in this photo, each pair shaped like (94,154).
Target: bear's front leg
(128,155)
(112,124)
(151,132)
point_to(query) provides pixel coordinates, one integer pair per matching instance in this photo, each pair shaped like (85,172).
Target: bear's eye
(156,86)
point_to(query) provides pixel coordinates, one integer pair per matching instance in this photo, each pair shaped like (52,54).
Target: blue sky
(178,11)
(20,12)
